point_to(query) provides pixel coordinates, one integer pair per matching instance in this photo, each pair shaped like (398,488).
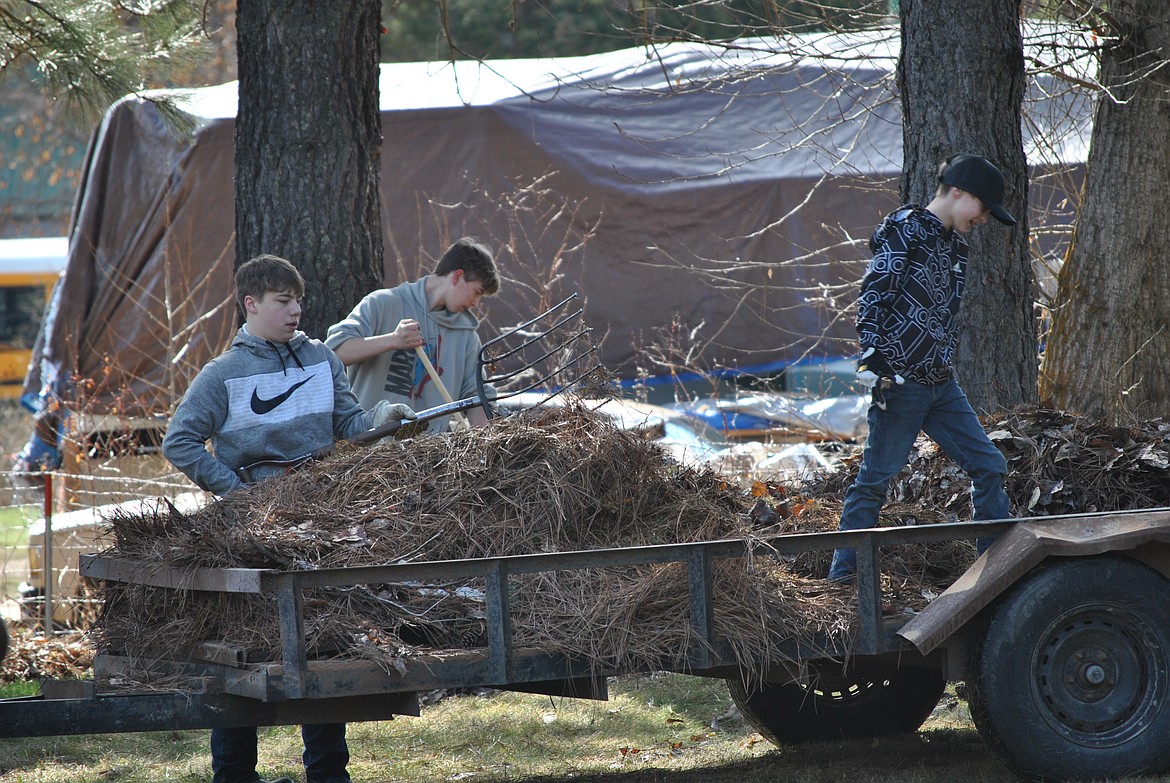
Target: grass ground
(13,540)
(13,526)
(660,729)
(665,728)
(15,426)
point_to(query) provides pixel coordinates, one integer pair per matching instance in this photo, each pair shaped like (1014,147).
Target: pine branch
(90,53)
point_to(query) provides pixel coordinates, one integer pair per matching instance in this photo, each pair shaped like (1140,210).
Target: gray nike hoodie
(261,401)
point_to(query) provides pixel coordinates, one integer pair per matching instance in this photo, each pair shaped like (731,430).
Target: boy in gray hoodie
(274,395)
(377,341)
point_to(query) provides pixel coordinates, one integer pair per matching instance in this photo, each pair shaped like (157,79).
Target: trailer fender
(1021,549)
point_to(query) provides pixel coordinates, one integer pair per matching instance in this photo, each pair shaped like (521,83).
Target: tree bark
(308,146)
(961,79)
(1108,349)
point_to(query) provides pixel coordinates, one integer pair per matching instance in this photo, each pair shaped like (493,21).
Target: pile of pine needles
(552,480)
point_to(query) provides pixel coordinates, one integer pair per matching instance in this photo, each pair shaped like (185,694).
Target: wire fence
(48,519)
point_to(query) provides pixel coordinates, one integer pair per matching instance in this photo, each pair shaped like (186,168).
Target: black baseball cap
(979,177)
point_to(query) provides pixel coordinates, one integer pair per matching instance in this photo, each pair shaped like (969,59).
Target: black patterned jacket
(911,292)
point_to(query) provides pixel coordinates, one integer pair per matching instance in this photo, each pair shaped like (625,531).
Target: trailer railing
(499,668)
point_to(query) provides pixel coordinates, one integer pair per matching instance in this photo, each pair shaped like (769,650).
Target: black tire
(1071,677)
(3,639)
(867,700)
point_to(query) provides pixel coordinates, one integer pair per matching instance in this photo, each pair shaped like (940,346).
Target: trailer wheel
(866,700)
(1071,679)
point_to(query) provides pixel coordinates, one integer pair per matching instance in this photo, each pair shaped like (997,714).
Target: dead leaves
(31,657)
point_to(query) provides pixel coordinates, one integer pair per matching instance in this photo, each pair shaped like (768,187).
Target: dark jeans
(944,414)
(233,754)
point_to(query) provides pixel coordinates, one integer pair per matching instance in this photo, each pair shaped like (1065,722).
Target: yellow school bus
(29,268)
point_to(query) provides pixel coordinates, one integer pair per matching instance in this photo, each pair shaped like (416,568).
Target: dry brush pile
(560,479)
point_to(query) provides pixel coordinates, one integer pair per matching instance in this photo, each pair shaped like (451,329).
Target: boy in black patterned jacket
(906,322)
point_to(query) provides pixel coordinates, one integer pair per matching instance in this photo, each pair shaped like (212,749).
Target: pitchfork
(548,351)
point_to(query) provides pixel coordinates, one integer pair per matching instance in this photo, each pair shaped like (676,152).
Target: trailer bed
(217,687)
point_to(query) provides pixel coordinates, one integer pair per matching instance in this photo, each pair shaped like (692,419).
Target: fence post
(48,563)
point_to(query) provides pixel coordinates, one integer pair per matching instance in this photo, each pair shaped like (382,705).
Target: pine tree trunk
(308,146)
(961,78)
(1108,350)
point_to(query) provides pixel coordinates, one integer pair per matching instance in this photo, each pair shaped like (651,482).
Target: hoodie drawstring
(291,352)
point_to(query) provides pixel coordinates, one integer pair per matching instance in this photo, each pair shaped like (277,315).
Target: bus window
(29,268)
(21,309)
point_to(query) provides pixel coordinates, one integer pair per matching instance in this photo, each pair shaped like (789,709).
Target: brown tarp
(691,161)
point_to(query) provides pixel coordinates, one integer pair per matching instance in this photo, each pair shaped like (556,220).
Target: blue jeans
(233,754)
(944,414)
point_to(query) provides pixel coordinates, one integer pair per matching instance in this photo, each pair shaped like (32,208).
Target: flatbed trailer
(1061,631)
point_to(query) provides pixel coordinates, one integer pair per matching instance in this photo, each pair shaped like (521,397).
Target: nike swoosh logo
(262,406)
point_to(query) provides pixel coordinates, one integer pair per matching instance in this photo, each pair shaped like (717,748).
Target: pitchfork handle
(459,418)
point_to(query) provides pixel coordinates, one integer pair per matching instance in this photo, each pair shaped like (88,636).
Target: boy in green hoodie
(377,341)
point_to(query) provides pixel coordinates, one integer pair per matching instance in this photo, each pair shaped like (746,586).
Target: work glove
(385,412)
(872,367)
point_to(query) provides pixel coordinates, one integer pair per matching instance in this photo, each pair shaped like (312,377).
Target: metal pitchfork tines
(548,352)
